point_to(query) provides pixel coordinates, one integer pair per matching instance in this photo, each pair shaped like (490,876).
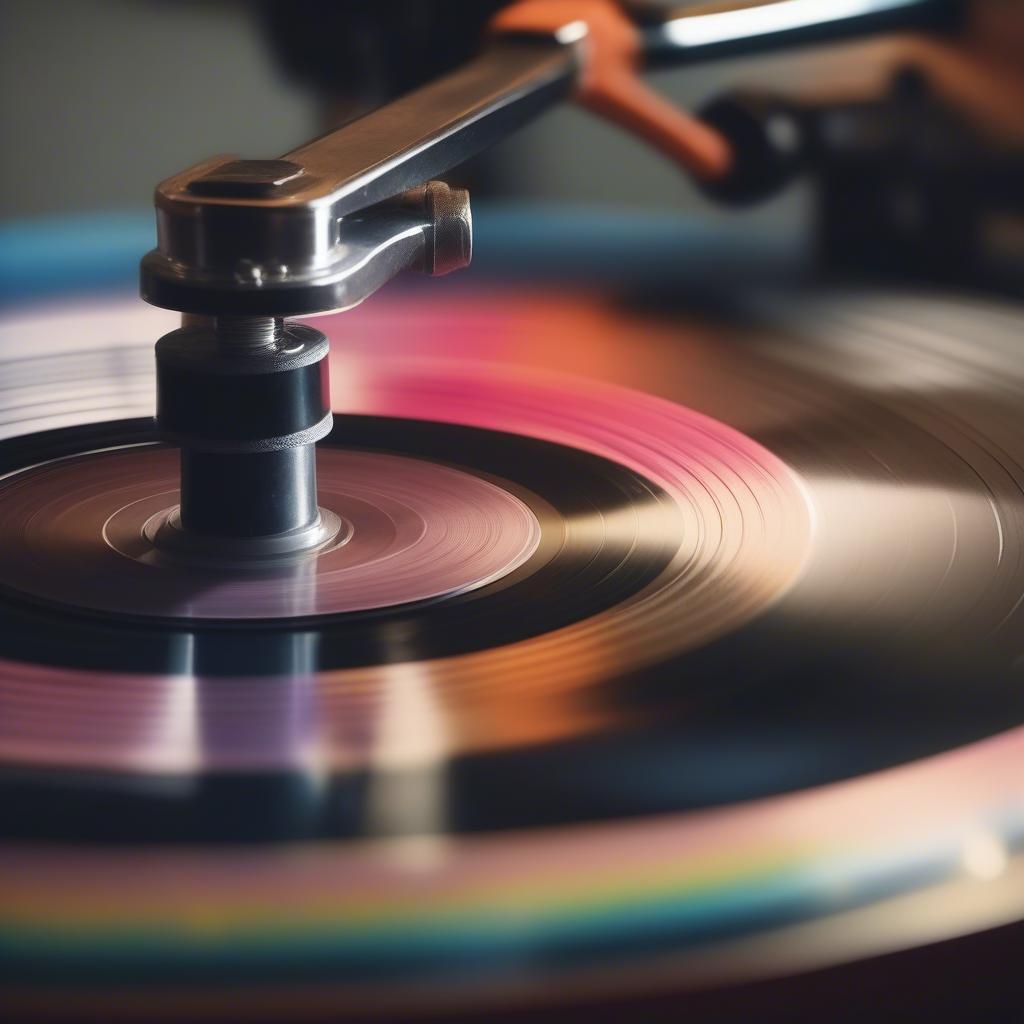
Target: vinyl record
(658,649)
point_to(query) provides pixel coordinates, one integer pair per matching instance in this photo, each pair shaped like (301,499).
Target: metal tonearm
(314,230)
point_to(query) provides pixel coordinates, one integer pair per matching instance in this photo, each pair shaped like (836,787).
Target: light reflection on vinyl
(725,681)
(412,531)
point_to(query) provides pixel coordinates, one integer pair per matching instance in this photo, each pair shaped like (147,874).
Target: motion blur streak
(780,16)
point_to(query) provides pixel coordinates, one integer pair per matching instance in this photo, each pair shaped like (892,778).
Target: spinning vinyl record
(657,646)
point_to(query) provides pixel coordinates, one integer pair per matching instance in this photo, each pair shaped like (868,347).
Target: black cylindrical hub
(246,400)
(229,495)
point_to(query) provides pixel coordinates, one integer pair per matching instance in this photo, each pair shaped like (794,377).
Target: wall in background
(100,99)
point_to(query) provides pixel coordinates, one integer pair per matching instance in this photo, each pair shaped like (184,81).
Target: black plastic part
(768,137)
(248,495)
(246,417)
(202,402)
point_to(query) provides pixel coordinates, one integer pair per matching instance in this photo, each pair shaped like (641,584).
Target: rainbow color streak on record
(423,909)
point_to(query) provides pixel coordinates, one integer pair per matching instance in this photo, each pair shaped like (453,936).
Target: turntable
(620,643)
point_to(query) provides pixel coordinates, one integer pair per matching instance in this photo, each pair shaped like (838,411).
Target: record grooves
(559,583)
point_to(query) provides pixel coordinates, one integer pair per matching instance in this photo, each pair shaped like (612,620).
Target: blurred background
(101,99)
(107,97)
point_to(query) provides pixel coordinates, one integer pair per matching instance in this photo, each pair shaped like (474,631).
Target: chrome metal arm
(314,230)
(318,229)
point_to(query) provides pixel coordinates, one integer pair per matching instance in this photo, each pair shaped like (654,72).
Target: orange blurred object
(609,83)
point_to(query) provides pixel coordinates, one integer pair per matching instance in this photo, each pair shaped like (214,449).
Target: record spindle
(246,398)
